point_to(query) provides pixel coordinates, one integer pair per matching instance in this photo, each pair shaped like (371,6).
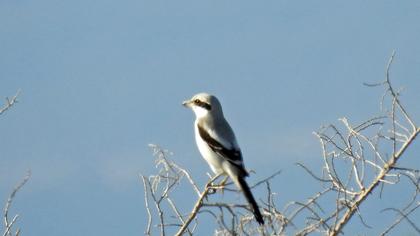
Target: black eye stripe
(202,104)
(205,106)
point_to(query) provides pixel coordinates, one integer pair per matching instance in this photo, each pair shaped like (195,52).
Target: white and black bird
(218,146)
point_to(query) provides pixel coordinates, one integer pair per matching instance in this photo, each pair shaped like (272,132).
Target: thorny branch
(357,159)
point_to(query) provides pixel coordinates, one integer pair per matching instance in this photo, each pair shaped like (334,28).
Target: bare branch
(146,203)
(388,166)
(9,224)
(403,216)
(10,102)
(197,205)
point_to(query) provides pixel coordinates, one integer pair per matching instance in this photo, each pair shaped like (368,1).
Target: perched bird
(217,144)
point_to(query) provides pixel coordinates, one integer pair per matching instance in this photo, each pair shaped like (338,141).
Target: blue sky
(102,79)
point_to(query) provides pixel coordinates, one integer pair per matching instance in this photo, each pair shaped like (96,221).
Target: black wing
(234,156)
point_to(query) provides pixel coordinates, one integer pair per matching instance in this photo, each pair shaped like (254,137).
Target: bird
(217,144)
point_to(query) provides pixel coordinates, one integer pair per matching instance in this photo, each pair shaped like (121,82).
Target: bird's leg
(220,185)
(223,184)
(212,185)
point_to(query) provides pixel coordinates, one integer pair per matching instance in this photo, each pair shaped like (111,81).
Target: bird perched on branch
(218,146)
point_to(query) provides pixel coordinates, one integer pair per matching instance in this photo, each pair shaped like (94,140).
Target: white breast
(213,159)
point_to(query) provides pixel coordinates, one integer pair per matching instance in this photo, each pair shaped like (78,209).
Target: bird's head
(203,104)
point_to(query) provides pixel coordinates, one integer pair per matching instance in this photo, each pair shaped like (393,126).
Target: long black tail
(250,198)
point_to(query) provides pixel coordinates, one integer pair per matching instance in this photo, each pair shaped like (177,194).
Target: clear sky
(101,79)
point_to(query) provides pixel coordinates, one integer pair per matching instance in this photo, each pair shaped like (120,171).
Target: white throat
(199,111)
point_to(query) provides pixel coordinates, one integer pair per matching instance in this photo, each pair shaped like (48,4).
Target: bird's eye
(197,101)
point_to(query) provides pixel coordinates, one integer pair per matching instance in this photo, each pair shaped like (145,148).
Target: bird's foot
(222,184)
(214,186)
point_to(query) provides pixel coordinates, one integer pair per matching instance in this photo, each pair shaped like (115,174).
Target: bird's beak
(186,103)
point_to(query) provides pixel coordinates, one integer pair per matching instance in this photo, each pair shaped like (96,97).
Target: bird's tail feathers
(240,181)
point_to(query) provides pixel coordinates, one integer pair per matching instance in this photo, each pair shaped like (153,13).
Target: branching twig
(9,102)
(7,223)
(388,166)
(197,205)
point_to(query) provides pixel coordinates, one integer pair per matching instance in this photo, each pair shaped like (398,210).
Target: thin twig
(8,225)
(10,102)
(197,205)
